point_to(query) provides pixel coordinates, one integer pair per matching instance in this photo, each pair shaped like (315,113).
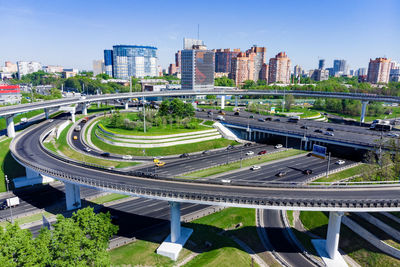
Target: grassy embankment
(62,146)
(342,174)
(245,163)
(223,251)
(356,247)
(216,107)
(8,165)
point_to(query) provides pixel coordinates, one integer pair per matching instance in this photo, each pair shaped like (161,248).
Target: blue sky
(73,33)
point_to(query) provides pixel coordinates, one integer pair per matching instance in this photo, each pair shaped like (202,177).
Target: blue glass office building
(108,62)
(132,60)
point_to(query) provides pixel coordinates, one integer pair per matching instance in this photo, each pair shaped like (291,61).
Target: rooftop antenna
(198,31)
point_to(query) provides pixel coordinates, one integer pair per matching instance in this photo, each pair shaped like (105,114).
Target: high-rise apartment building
(258,56)
(321,64)
(132,61)
(361,72)
(378,70)
(242,68)
(10,67)
(198,65)
(394,72)
(339,67)
(320,75)
(297,71)
(279,68)
(178,58)
(98,67)
(223,59)
(172,70)
(25,67)
(108,62)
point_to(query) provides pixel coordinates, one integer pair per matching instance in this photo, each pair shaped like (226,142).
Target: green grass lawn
(108,198)
(289,215)
(162,151)
(9,166)
(216,107)
(62,145)
(342,174)
(209,123)
(245,163)
(356,247)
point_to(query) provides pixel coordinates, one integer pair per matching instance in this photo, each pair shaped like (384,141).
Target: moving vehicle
(294,119)
(105,154)
(268,119)
(307,171)
(280,174)
(230,147)
(277,119)
(304,127)
(77,128)
(160,163)
(127,157)
(236,113)
(262,152)
(278,146)
(330,129)
(209,113)
(9,202)
(85,120)
(318,131)
(87,149)
(205,152)
(329,134)
(381,125)
(251,117)
(24,120)
(247,144)
(393,135)
(262,120)
(227,181)
(249,153)
(220,118)
(255,167)
(221,112)
(184,155)
(340,162)
(75,137)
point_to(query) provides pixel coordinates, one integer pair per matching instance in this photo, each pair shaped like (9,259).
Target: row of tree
(348,106)
(81,240)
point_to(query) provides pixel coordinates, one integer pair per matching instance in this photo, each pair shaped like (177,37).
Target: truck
(9,202)
(381,125)
(24,120)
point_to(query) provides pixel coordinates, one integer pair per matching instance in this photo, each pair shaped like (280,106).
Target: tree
(224,81)
(249,84)
(211,97)
(289,101)
(164,109)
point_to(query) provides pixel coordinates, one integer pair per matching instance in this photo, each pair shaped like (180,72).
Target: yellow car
(156,160)
(160,163)
(75,137)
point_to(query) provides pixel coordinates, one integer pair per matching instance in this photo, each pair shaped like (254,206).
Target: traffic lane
(293,167)
(28,148)
(195,162)
(280,240)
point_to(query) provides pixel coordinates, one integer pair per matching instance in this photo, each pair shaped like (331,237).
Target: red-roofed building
(9,94)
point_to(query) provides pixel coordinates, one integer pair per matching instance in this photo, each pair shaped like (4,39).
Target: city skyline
(303,30)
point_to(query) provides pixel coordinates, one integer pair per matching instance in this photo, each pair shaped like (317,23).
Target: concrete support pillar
(363,110)
(98,104)
(10,126)
(31,173)
(306,145)
(126,105)
(175,220)
(72,196)
(236,101)
(84,109)
(73,116)
(222,102)
(332,237)
(47,113)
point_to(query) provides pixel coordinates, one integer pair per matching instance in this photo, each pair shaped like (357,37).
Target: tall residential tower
(279,68)
(378,70)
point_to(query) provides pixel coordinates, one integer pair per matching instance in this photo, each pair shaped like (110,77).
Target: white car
(87,149)
(255,167)
(393,135)
(249,153)
(278,146)
(226,181)
(340,162)
(127,157)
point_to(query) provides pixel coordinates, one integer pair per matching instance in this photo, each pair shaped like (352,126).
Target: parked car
(249,153)
(278,146)
(340,162)
(184,155)
(329,133)
(330,129)
(262,152)
(280,174)
(255,167)
(304,127)
(127,157)
(318,131)
(307,171)
(260,119)
(105,154)
(277,120)
(236,113)
(268,119)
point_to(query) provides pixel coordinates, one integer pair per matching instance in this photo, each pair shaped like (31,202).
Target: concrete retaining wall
(61,127)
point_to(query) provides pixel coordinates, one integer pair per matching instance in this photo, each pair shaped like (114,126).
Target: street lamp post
(329,162)
(7,181)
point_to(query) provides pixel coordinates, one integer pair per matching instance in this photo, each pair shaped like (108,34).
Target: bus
(381,125)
